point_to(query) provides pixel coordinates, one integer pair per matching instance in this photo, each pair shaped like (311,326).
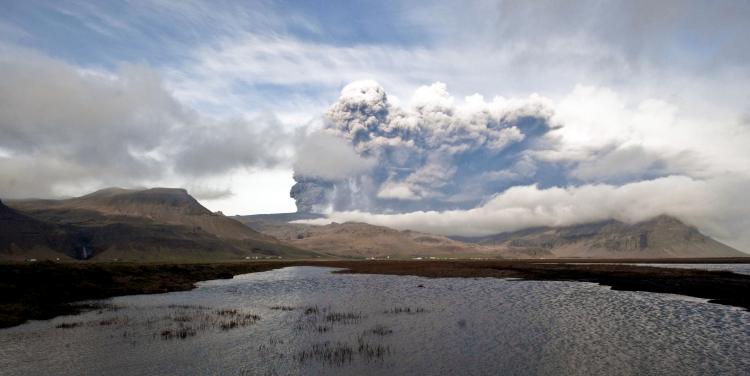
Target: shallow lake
(307,320)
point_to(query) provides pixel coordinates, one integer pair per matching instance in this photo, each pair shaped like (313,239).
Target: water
(386,325)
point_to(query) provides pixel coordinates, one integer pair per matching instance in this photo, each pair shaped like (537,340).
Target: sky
(458,118)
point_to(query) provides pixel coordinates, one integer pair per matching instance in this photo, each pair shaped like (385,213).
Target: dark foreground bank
(45,290)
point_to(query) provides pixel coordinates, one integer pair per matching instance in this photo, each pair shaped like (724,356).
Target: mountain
(660,237)
(169,224)
(171,206)
(362,240)
(152,224)
(24,237)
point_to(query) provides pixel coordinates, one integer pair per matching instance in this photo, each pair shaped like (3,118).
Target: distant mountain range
(163,224)
(660,237)
(362,240)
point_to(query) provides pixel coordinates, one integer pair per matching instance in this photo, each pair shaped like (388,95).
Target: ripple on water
(305,320)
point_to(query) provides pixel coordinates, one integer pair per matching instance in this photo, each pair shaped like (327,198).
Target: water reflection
(305,320)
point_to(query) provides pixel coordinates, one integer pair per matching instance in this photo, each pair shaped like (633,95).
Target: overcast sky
(470,117)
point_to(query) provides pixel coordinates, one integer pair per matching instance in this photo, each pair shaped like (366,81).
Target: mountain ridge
(659,237)
(168,223)
(362,240)
(172,206)
(156,223)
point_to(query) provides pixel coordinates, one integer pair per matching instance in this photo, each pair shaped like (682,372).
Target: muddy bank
(44,290)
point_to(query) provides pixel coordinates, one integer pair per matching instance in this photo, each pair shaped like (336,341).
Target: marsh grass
(186,306)
(312,310)
(344,317)
(380,330)
(237,320)
(178,333)
(118,320)
(273,341)
(316,319)
(405,310)
(370,351)
(188,321)
(282,308)
(340,353)
(182,318)
(337,353)
(69,325)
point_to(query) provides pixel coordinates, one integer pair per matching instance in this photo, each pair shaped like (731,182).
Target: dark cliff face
(19,232)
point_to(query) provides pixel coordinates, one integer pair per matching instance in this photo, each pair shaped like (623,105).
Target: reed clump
(201,320)
(178,333)
(370,351)
(312,310)
(344,317)
(69,325)
(336,353)
(405,310)
(282,308)
(380,330)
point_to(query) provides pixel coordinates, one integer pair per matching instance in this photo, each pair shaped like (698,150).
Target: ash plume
(436,154)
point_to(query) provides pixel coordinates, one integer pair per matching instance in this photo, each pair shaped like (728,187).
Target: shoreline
(44,290)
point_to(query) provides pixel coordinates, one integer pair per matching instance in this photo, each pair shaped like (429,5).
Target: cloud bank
(478,167)
(64,128)
(704,203)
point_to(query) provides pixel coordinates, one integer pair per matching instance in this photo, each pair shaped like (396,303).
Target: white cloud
(66,130)
(252,192)
(394,190)
(711,205)
(694,143)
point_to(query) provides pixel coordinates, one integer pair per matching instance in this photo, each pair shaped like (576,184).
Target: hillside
(660,237)
(361,240)
(171,206)
(152,224)
(169,224)
(24,237)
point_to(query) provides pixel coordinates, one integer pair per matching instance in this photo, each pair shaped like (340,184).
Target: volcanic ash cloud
(373,155)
